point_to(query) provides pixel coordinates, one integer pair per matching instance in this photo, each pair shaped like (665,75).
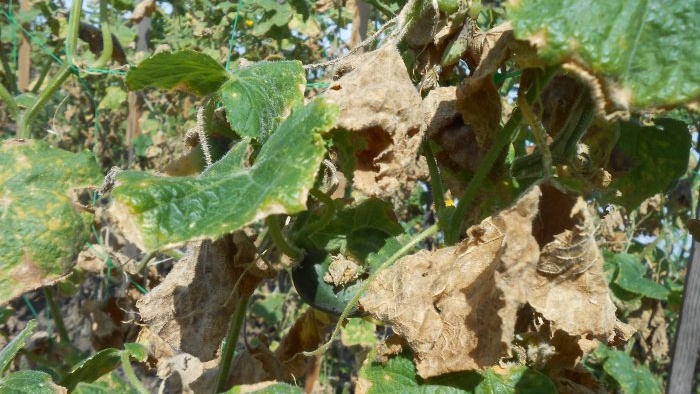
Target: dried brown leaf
(342,271)
(378,101)
(439,109)
(479,103)
(457,307)
(190,309)
(569,287)
(651,325)
(307,334)
(446,303)
(144,9)
(256,364)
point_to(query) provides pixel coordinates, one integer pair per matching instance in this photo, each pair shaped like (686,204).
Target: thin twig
(363,44)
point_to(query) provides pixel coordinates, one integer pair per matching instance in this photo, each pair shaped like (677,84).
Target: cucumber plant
(525,118)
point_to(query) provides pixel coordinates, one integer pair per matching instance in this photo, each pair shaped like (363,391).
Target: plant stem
(73,29)
(7,98)
(430,231)
(11,80)
(26,119)
(280,241)
(56,315)
(327,216)
(130,375)
(503,137)
(107,45)
(539,133)
(229,346)
(435,183)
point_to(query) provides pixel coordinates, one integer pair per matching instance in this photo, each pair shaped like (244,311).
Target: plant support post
(685,349)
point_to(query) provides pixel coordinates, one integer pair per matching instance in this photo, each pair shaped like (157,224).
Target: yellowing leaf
(41,231)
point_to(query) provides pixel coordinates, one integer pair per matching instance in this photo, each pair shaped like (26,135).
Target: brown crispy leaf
(480,105)
(256,364)
(439,109)
(190,309)
(457,307)
(569,287)
(144,9)
(651,325)
(446,303)
(307,334)
(379,102)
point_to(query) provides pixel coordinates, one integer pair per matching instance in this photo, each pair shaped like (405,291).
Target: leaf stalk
(229,345)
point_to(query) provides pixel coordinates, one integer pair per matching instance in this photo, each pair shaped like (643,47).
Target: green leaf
(40,229)
(269,308)
(276,388)
(363,233)
(107,384)
(359,230)
(278,14)
(644,47)
(359,332)
(188,70)
(92,368)
(632,379)
(630,277)
(10,350)
(658,156)
(137,351)
(257,97)
(517,379)
(29,382)
(398,375)
(113,99)
(169,211)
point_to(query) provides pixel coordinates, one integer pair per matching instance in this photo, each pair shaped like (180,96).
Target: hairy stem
(326,217)
(73,29)
(229,346)
(27,118)
(539,134)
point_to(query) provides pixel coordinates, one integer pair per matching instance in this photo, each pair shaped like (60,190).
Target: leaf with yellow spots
(40,229)
(158,212)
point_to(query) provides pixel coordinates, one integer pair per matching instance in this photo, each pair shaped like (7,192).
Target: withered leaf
(446,303)
(457,306)
(575,299)
(190,309)
(379,103)
(307,334)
